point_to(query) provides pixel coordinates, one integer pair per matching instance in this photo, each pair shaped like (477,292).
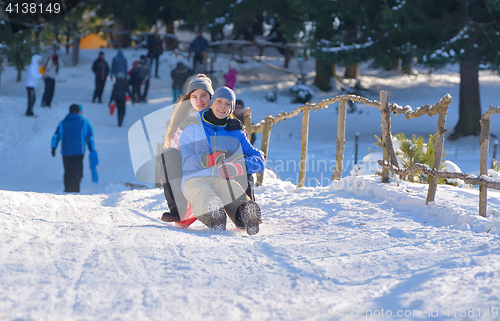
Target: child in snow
(179,75)
(51,70)
(32,77)
(198,95)
(231,75)
(119,95)
(75,132)
(214,159)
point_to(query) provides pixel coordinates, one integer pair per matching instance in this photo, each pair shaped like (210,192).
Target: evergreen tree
(19,48)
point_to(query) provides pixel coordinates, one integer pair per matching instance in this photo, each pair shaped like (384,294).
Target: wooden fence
(389,162)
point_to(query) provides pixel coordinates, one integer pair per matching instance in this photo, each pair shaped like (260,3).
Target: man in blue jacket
(199,46)
(75,132)
(119,64)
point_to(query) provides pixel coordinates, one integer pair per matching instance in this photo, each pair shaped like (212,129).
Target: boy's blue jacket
(74,131)
(206,138)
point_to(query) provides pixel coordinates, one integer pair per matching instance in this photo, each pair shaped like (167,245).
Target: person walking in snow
(75,132)
(119,95)
(51,70)
(199,47)
(179,75)
(213,158)
(119,64)
(230,76)
(32,77)
(101,70)
(155,49)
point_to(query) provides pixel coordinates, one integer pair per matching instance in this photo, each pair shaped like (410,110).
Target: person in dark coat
(51,71)
(179,75)
(199,46)
(75,132)
(140,76)
(101,71)
(119,95)
(119,64)
(155,49)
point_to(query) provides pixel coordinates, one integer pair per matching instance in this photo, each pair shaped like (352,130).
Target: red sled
(188,218)
(112,106)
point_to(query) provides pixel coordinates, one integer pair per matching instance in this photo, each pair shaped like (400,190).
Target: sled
(112,106)
(188,218)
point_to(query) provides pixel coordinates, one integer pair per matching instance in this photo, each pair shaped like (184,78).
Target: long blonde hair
(181,112)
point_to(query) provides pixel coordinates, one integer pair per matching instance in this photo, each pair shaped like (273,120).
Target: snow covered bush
(415,150)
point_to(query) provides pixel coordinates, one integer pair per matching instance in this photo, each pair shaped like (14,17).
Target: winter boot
(251,217)
(217,214)
(171,217)
(238,219)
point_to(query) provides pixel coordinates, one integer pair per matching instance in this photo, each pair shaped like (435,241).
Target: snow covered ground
(352,250)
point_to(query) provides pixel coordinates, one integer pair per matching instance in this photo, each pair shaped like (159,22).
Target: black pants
(197,60)
(99,87)
(136,90)
(157,58)
(120,106)
(31,100)
(50,84)
(249,190)
(172,169)
(73,173)
(146,88)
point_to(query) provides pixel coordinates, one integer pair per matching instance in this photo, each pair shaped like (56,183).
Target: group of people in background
(209,156)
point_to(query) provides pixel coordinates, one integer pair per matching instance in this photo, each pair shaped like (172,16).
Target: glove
(53,152)
(214,159)
(230,170)
(234,124)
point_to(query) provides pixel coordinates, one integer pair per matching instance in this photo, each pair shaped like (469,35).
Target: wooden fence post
(266,136)
(438,153)
(303,149)
(248,121)
(386,131)
(339,160)
(484,141)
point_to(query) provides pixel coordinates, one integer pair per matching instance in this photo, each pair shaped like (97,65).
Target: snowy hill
(352,250)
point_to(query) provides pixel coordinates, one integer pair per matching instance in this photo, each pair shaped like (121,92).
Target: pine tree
(19,48)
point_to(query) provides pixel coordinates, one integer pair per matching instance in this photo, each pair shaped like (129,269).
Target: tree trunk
(121,34)
(76,49)
(170,44)
(19,72)
(469,105)
(323,75)
(406,64)
(394,65)
(351,71)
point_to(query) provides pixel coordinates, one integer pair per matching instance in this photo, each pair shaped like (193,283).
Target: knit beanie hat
(201,81)
(75,108)
(224,92)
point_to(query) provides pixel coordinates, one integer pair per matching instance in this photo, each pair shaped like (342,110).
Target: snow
(353,249)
